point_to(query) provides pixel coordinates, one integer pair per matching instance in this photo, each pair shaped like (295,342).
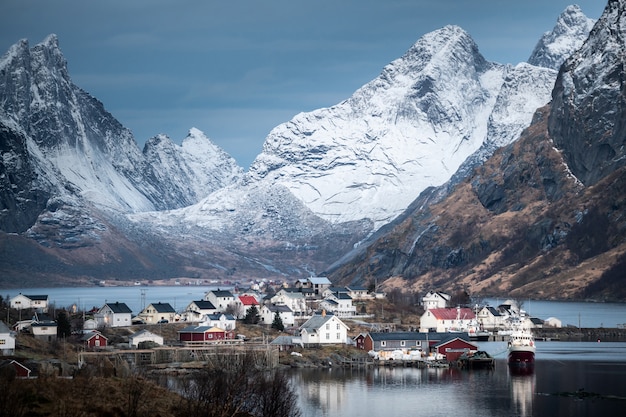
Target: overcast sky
(237,68)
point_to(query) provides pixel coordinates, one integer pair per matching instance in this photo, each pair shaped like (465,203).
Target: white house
(243,303)
(7,340)
(268,312)
(44,327)
(157,312)
(358,293)
(435,299)
(324,329)
(295,300)
(144,336)
(447,319)
(340,304)
(114,315)
(220,320)
(552,322)
(196,310)
(221,299)
(22,301)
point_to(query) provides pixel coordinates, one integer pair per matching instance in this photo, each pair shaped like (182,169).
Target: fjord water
(564,373)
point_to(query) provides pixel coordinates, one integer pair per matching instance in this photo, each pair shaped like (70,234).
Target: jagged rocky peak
(571,30)
(408,129)
(589,100)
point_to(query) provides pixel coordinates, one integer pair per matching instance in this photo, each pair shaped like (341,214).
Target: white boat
(521,348)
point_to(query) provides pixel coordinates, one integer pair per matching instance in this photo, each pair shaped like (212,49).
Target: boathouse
(451,349)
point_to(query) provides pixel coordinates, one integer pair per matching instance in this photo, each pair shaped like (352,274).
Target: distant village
(310,314)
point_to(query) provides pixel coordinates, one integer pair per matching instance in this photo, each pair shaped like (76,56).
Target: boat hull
(521,357)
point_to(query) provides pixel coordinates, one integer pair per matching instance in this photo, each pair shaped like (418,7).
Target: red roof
(248,300)
(451,313)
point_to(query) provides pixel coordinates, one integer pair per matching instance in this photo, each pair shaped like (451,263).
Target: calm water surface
(561,367)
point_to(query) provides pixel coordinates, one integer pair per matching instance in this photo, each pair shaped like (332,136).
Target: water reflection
(522,391)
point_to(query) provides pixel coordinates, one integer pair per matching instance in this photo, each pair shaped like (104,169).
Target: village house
(553,322)
(244,303)
(324,329)
(221,299)
(144,336)
(7,340)
(113,315)
(447,319)
(340,304)
(268,312)
(490,318)
(43,327)
(380,341)
(295,300)
(157,313)
(317,284)
(358,293)
(203,335)
(94,341)
(435,299)
(21,371)
(221,320)
(454,347)
(22,301)
(196,310)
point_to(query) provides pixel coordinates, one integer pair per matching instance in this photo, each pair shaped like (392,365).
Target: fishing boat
(521,349)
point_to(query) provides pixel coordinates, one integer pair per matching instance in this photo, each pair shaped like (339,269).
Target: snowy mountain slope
(84,151)
(571,30)
(411,128)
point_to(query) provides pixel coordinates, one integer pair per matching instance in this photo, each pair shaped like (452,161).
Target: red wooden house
(95,340)
(21,371)
(453,348)
(203,334)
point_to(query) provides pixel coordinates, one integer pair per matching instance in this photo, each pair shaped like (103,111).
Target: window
(327,336)
(3,342)
(327,326)
(337,326)
(383,343)
(338,336)
(402,343)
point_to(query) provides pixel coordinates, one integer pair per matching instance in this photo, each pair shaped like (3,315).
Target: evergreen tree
(252,316)
(64,327)
(278,323)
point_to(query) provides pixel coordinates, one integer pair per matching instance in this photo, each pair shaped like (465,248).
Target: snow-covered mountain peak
(569,33)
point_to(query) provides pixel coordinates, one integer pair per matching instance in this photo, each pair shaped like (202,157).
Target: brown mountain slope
(520,225)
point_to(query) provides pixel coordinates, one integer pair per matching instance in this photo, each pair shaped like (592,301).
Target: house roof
(4,328)
(91,335)
(452,313)
(163,307)
(7,362)
(450,340)
(200,329)
(37,297)
(248,300)
(437,294)
(338,289)
(278,308)
(143,333)
(493,311)
(283,341)
(119,308)
(218,316)
(330,301)
(317,321)
(204,305)
(319,281)
(356,288)
(222,293)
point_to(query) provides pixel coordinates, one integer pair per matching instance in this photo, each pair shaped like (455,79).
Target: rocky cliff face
(543,217)
(589,102)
